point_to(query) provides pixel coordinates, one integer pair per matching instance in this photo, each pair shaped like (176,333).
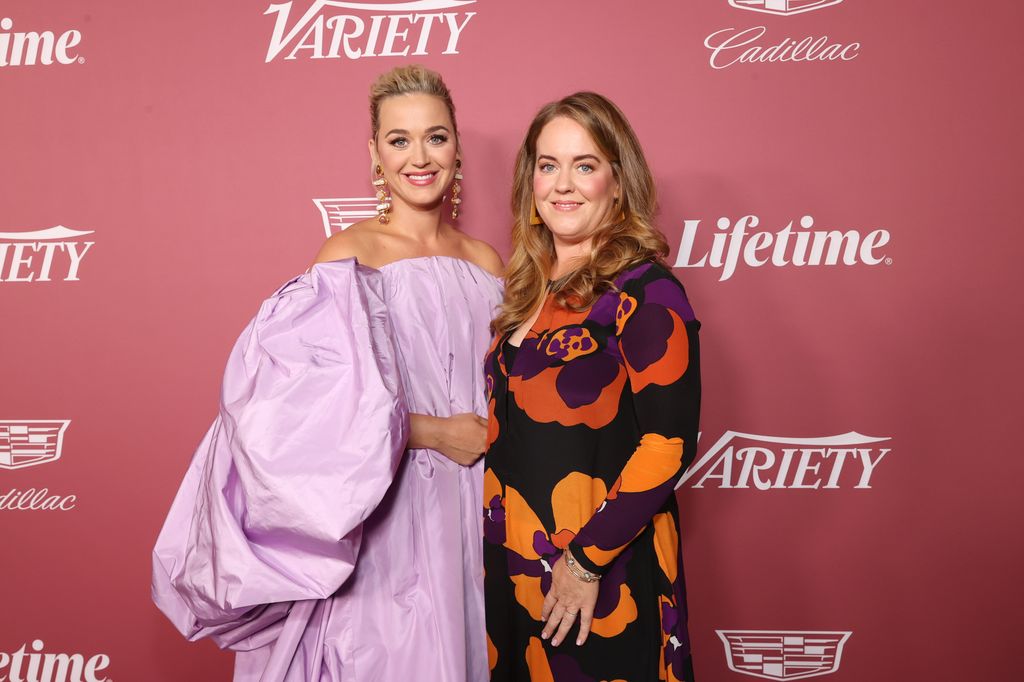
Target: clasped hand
(461,438)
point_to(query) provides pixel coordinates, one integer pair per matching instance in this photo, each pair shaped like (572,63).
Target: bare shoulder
(483,254)
(355,242)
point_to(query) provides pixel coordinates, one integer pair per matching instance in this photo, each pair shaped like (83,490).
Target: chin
(424,204)
(568,230)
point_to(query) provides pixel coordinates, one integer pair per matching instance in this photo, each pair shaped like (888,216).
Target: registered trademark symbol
(81,60)
(888,261)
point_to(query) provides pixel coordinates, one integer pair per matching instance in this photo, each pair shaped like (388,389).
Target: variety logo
(783,6)
(732,45)
(42,255)
(339,214)
(28,48)
(36,666)
(368,29)
(31,442)
(798,246)
(744,460)
(782,654)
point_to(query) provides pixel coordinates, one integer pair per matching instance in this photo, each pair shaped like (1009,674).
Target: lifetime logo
(384,29)
(28,48)
(798,246)
(42,255)
(35,666)
(746,460)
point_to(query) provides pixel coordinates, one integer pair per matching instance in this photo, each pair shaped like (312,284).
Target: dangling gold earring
(456,189)
(383,198)
(534,216)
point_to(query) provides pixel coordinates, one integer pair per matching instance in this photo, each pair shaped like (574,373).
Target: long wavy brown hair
(630,238)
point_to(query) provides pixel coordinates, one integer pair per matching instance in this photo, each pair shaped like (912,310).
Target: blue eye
(586,168)
(546,167)
(438,139)
(399,142)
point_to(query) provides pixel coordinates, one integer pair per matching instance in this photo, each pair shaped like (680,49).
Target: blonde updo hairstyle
(409,80)
(628,239)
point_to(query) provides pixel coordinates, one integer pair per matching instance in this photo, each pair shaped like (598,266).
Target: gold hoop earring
(456,189)
(383,198)
(534,216)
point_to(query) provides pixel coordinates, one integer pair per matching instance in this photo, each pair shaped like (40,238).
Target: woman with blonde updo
(594,397)
(327,529)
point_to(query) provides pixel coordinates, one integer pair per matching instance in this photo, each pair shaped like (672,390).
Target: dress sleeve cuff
(583,560)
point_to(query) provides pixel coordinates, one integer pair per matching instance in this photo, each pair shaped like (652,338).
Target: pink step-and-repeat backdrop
(839,181)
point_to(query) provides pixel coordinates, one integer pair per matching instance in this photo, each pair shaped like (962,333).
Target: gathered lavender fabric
(305,537)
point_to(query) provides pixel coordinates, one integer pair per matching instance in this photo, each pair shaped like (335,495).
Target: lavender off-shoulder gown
(304,536)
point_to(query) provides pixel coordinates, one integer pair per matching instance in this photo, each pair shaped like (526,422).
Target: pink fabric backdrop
(183,148)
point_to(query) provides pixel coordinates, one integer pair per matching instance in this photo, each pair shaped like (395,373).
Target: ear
(372,147)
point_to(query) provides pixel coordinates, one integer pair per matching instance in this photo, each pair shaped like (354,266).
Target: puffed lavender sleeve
(311,428)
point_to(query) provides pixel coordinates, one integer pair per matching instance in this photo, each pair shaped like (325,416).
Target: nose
(419,156)
(563,183)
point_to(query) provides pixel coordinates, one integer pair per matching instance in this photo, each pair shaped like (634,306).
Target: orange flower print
(537,661)
(615,622)
(570,343)
(593,401)
(492,654)
(573,502)
(627,305)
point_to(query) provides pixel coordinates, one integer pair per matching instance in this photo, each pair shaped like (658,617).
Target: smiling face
(416,148)
(574,185)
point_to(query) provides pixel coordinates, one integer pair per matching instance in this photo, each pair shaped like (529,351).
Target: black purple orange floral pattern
(592,421)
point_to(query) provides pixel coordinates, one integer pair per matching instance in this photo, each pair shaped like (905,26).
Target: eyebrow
(432,129)
(574,159)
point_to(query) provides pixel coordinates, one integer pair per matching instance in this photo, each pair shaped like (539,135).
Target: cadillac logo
(783,6)
(338,214)
(30,442)
(783,654)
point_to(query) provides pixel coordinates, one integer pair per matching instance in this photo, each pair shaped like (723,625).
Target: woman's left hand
(568,597)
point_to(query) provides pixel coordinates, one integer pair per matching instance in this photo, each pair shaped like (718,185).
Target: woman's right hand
(461,438)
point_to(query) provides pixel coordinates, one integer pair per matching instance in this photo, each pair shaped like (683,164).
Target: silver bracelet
(578,571)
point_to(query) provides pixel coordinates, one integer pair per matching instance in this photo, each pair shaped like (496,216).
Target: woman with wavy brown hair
(594,396)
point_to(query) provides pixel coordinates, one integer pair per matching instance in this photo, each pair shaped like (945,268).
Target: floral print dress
(593,419)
